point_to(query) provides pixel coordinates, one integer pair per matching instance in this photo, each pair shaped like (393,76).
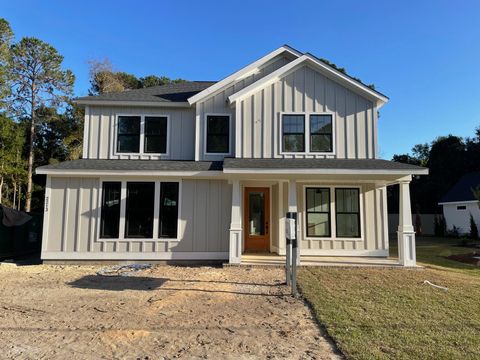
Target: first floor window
(293,133)
(218,134)
(128,134)
(168,210)
(110,217)
(155,134)
(347,208)
(139,209)
(321,133)
(318,212)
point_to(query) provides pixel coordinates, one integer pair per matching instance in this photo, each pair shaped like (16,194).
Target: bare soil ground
(50,312)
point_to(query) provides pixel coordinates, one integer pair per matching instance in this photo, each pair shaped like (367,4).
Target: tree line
(39,122)
(448,159)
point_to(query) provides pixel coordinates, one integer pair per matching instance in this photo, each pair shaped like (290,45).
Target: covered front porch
(342,218)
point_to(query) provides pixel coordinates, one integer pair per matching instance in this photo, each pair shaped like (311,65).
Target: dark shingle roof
(333,164)
(135,165)
(179,92)
(462,190)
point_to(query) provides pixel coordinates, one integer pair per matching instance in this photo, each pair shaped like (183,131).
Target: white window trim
(333,225)
(229,134)
(307,133)
(156,210)
(142,136)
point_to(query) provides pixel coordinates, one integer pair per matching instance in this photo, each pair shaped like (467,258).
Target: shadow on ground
(117,283)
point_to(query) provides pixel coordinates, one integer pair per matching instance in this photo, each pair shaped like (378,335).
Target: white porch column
(235,248)
(406,233)
(292,207)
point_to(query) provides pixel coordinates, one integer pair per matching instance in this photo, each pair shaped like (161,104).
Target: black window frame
(127,199)
(120,135)
(319,212)
(294,133)
(461,207)
(161,210)
(146,136)
(348,213)
(312,134)
(103,210)
(208,134)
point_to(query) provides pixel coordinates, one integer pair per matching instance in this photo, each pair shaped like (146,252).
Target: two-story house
(208,170)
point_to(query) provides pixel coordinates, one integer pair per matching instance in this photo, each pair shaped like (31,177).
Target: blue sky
(424,55)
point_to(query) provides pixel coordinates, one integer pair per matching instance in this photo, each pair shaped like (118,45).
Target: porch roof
(321,166)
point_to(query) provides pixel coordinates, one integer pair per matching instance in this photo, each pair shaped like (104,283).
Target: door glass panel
(256,221)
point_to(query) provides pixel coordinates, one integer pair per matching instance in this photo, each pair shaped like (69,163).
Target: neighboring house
(208,171)
(460,202)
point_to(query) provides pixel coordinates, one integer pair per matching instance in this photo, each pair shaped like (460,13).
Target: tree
(421,152)
(37,80)
(153,80)
(6,36)
(12,165)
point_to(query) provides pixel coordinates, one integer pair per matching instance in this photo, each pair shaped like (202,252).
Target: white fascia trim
(292,66)
(242,73)
(325,171)
(96,173)
(458,202)
(138,256)
(133,103)
(315,252)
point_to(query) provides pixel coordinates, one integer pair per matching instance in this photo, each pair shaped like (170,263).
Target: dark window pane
(293,129)
(218,134)
(155,135)
(321,143)
(128,135)
(168,210)
(347,205)
(256,221)
(110,216)
(139,210)
(321,133)
(318,212)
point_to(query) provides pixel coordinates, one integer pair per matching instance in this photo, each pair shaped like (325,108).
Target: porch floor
(348,261)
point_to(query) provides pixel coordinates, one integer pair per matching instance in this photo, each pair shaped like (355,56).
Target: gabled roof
(161,95)
(316,64)
(247,70)
(462,190)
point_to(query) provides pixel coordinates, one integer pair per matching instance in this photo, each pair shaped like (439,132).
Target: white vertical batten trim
(197,131)
(86,133)
(78,217)
(46,213)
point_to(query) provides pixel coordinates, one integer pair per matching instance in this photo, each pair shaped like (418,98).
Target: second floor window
(307,133)
(128,136)
(218,134)
(142,134)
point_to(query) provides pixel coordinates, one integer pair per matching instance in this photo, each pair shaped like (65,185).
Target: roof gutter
(325,171)
(132,103)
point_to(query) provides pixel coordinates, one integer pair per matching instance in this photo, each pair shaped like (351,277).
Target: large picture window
(110,217)
(293,133)
(128,135)
(347,208)
(218,134)
(139,209)
(168,221)
(318,212)
(321,133)
(155,134)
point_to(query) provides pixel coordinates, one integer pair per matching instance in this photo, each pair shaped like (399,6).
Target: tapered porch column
(406,233)
(235,248)
(292,207)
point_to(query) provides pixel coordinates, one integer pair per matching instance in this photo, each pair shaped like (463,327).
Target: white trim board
(97,173)
(458,202)
(242,73)
(254,171)
(316,64)
(133,103)
(315,252)
(138,256)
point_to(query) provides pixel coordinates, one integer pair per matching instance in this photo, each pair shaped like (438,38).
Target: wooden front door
(256,219)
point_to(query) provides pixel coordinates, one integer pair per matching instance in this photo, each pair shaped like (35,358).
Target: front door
(256,218)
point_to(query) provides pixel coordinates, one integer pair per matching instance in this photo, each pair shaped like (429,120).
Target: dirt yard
(49,311)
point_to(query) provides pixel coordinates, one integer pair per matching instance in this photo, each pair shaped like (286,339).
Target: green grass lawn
(389,313)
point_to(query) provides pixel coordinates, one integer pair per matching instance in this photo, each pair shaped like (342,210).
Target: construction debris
(122,270)
(426,282)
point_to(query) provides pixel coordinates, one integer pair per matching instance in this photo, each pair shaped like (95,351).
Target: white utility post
(406,232)
(235,248)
